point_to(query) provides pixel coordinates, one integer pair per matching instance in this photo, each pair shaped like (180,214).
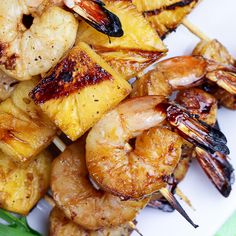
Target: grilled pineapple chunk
(165,15)
(135,50)
(79,90)
(24,130)
(22,187)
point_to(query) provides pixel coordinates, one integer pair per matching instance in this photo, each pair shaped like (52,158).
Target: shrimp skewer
(170,198)
(140,171)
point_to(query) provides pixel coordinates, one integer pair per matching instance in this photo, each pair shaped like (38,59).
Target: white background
(218,20)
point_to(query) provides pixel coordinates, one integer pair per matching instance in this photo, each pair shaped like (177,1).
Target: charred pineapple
(24,130)
(79,90)
(139,47)
(61,226)
(22,187)
(165,15)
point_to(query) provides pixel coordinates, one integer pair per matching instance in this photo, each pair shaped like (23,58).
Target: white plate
(217,19)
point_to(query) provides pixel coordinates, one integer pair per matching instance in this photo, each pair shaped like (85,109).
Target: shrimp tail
(195,131)
(224,79)
(96,15)
(218,169)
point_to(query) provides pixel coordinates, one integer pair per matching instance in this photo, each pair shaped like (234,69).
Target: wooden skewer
(133,227)
(59,144)
(174,203)
(184,198)
(192,28)
(49,200)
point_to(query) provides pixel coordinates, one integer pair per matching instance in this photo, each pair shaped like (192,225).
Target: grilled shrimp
(31,43)
(199,103)
(214,50)
(139,171)
(184,72)
(216,165)
(61,226)
(80,201)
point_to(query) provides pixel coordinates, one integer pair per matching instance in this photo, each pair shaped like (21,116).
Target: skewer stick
(192,28)
(59,144)
(174,203)
(49,200)
(184,198)
(133,227)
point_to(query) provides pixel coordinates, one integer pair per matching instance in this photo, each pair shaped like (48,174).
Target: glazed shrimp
(184,72)
(30,42)
(139,171)
(61,226)
(80,201)
(214,50)
(216,166)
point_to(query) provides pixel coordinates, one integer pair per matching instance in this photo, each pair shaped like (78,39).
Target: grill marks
(73,73)
(166,18)
(169,8)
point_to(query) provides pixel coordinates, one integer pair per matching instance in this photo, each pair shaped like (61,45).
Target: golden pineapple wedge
(139,47)
(24,129)
(79,90)
(22,187)
(165,15)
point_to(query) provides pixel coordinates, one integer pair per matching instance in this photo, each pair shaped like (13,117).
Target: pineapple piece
(139,47)
(22,187)
(150,5)
(164,15)
(79,90)
(24,129)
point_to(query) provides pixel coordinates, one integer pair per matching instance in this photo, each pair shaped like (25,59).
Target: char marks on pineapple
(73,73)
(171,7)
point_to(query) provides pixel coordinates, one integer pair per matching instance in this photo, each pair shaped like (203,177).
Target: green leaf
(10,231)
(16,226)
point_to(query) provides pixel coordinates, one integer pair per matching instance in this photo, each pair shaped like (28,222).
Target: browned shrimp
(31,47)
(80,201)
(214,50)
(216,166)
(199,103)
(61,226)
(139,171)
(184,72)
